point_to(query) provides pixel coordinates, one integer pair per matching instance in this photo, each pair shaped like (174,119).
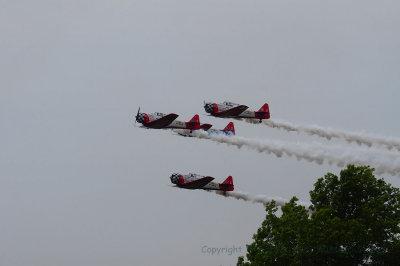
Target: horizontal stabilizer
(205,127)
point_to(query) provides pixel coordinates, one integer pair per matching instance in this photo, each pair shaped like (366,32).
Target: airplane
(234,110)
(163,121)
(229,130)
(194,181)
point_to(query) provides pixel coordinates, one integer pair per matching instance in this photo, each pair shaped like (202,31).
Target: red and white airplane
(194,181)
(234,110)
(229,130)
(162,121)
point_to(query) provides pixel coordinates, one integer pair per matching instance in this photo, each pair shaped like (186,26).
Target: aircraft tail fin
(229,129)
(193,123)
(205,127)
(227,185)
(263,113)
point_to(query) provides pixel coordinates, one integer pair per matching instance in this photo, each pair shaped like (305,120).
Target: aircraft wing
(162,122)
(235,111)
(199,183)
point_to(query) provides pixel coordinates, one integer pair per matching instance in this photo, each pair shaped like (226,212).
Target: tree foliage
(353,220)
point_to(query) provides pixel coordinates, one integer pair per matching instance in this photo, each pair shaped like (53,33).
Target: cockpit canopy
(230,104)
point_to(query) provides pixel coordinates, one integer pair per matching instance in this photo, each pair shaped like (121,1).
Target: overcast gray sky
(80,185)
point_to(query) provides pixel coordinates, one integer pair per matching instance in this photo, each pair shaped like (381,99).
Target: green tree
(353,220)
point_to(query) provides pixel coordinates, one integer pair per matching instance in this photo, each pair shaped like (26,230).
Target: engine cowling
(175,178)
(209,107)
(141,118)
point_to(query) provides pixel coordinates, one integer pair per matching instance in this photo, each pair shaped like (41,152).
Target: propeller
(137,115)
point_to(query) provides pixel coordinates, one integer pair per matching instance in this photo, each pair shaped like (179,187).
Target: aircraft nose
(208,107)
(140,118)
(174,178)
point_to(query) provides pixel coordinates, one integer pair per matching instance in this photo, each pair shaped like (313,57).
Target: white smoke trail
(372,151)
(312,153)
(263,199)
(328,133)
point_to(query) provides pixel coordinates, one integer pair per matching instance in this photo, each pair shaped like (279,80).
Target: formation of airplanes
(223,110)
